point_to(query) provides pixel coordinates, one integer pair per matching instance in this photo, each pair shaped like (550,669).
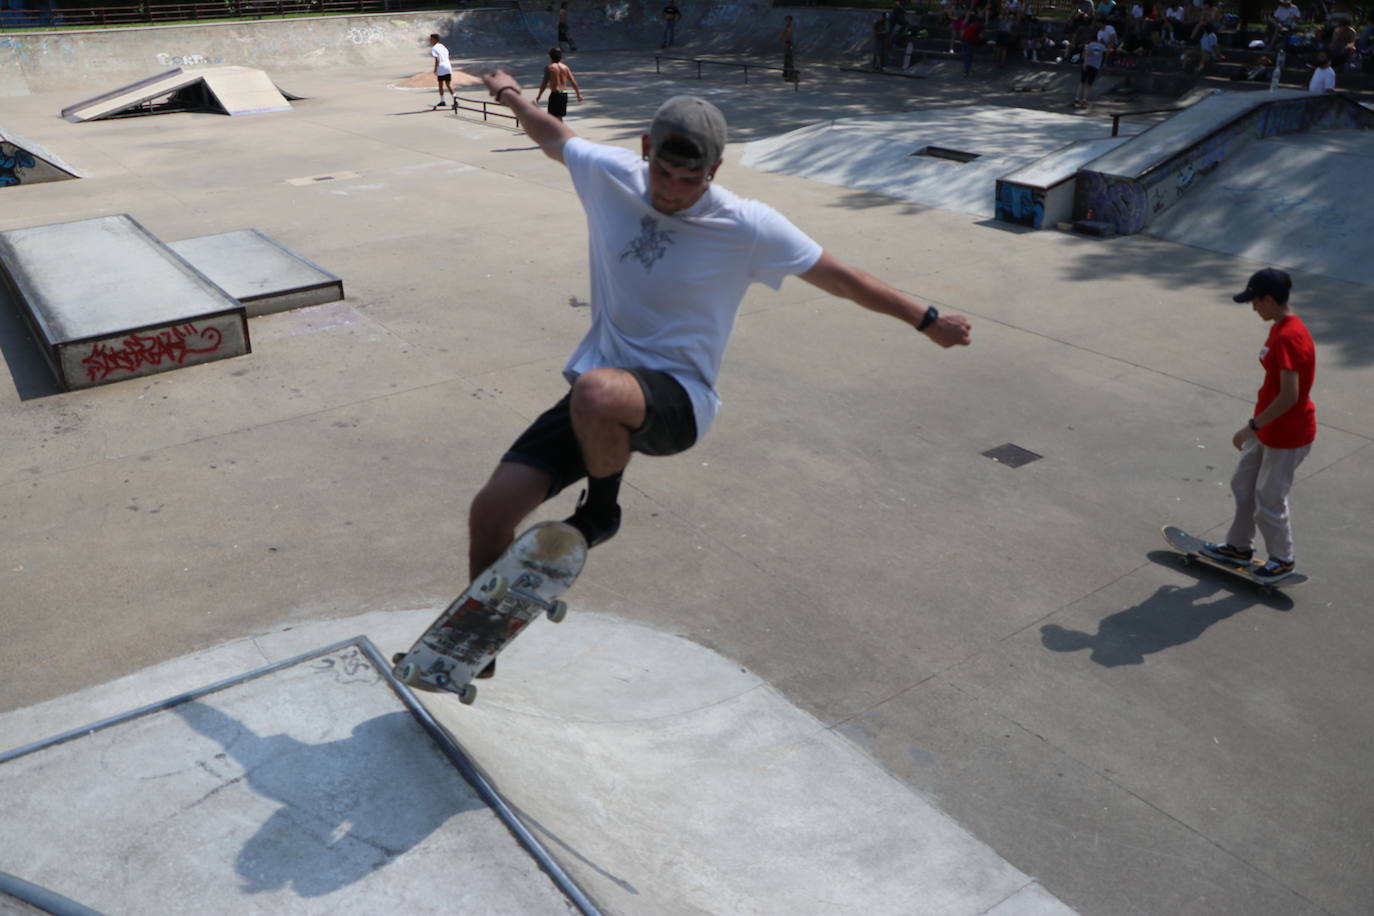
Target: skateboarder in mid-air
(672,254)
(1277,437)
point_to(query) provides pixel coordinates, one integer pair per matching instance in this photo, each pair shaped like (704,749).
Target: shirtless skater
(672,254)
(557,76)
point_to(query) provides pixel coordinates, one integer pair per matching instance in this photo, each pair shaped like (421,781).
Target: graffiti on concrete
(187,60)
(1020,204)
(1132,202)
(12,159)
(365,35)
(161,349)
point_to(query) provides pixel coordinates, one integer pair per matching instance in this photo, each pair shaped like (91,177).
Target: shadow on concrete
(1337,312)
(348,808)
(1172,616)
(32,377)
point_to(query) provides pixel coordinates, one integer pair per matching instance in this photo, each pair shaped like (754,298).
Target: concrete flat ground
(1015,645)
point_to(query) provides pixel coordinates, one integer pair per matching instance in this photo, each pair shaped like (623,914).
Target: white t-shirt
(665,289)
(1287,14)
(1323,79)
(1093,53)
(440,53)
(1107,35)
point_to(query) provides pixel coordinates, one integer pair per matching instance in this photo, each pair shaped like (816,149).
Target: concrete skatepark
(837,660)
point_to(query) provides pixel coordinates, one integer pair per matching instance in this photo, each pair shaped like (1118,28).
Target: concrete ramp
(107,301)
(1300,202)
(226,90)
(949,158)
(314,785)
(1133,184)
(660,777)
(24,161)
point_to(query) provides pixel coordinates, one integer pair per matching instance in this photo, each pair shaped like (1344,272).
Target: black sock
(603,493)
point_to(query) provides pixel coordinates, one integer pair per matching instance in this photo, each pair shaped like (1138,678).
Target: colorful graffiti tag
(12,159)
(1020,204)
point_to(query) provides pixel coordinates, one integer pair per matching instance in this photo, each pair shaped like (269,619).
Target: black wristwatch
(1253,425)
(929,318)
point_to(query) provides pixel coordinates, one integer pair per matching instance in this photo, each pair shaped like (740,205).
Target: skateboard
(526,581)
(1191,548)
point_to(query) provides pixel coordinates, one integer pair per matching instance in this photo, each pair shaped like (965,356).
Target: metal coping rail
(1116,118)
(446,742)
(743,65)
(40,898)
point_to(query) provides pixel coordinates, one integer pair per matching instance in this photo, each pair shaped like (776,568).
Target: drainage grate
(940,152)
(1013,456)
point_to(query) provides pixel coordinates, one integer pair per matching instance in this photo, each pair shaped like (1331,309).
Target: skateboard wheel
(494,589)
(408,674)
(558,612)
(467,694)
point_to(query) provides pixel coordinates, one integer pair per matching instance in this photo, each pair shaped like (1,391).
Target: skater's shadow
(348,807)
(1172,616)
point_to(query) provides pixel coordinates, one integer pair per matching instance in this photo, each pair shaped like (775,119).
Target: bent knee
(604,392)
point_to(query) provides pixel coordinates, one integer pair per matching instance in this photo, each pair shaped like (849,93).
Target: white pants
(1261,484)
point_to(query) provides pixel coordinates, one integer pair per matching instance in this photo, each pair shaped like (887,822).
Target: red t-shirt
(972,30)
(1289,347)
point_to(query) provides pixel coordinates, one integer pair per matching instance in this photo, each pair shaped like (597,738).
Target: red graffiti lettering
(170,346)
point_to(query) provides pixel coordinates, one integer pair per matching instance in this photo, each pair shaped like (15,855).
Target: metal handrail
(485,103)
(743,65)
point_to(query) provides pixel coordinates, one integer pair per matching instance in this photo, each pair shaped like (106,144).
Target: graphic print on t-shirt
(651,245)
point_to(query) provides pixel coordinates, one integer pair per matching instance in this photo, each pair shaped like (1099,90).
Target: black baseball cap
(1267,282)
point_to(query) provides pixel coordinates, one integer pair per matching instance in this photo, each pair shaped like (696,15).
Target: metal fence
(154,11)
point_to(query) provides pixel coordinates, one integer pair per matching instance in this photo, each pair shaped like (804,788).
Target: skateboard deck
(1191,548)
(526,581)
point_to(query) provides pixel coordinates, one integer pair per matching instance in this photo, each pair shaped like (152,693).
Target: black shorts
(1089,75)
(445,77)
(558,103)
(550,445)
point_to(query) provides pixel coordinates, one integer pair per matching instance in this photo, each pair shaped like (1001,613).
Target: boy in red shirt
(1279,434)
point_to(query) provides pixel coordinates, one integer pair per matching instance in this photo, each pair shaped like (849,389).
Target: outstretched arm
(840,279)
(542,127)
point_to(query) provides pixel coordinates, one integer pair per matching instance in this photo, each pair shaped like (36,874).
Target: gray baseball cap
(688,132)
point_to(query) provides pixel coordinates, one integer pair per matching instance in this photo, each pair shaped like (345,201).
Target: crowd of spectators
(1187,31)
